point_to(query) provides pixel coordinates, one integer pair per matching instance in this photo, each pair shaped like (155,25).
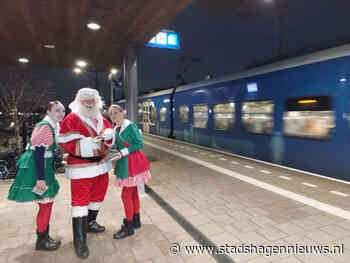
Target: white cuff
(124,151)
(87,147)
(79,211)
(95,205)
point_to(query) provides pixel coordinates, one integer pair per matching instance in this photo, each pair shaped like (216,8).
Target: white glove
(87,147)
(108,134)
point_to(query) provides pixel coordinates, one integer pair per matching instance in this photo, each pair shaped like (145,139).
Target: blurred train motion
(294,113)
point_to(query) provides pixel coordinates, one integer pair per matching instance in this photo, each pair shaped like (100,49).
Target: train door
(149,115)
(183,126)
(164,119)
(201,131)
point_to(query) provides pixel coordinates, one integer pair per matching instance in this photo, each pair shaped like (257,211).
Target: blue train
(295,113)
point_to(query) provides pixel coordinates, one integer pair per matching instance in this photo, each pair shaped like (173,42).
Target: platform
(198,197)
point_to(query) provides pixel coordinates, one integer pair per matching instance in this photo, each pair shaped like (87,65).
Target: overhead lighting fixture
(49,46)
(343,80)
(23,60)
(81,63)
(77,70)
(114,71)
(93,26)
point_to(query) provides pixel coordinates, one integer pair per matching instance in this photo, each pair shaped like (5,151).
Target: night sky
(228,38)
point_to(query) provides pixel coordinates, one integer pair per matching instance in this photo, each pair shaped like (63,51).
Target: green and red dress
(133,168)
(26,178)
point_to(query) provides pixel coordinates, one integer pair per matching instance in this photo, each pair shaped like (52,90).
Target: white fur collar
(125,124)
(55,125)
(51,121)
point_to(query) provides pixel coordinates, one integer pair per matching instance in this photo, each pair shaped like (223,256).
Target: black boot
(94,227)
(45,242)
(57,242)
(126,230)
(80,228)
(137,221)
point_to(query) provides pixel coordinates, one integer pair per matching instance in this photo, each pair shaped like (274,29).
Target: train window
(200,116)
(153,116)
(224,116)
(162,114)
(257,116)
(309,117)
(140,112)
(184,110)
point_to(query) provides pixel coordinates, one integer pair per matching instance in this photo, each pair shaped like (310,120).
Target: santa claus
(83,135)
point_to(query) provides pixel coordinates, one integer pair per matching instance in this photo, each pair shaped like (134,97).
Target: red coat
(75,138)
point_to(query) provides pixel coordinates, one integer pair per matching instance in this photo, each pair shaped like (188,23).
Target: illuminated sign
(165,39)
(306,101)
(252,87)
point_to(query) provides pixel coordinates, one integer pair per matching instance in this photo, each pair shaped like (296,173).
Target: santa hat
(86,93)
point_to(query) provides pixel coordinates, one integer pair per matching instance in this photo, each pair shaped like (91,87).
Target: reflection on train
(294,113)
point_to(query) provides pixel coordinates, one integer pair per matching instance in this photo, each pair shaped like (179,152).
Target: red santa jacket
(75,137)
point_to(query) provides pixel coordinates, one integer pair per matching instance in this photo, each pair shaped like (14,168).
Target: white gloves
(87,147)
(108,134)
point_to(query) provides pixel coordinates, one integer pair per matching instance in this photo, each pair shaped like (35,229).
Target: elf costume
(132,169)
(37,164)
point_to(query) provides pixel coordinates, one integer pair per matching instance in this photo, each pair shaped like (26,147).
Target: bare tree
(19,101)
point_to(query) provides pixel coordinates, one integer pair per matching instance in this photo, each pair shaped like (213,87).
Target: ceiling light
(343,80)
(49,46)
(23,60)
(93,26)
(77,70)
(81,63)
(114,71)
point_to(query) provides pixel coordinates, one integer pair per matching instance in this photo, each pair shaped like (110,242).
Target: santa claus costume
(85,168)
(132,169)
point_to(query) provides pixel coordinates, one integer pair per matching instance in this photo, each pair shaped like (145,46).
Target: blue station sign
(165,39)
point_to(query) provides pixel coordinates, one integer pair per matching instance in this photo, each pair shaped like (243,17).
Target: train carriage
(294,113)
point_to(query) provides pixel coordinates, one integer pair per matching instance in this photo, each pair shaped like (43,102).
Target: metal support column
(131,84)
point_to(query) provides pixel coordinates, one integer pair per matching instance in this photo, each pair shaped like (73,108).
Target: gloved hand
(87,146)
(108,134)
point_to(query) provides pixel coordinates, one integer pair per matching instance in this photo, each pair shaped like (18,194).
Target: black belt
(94,159)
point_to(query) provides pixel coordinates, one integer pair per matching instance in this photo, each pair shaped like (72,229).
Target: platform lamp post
(113,76)
(81,66)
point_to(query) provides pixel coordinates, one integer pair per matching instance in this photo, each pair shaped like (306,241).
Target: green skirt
(21,189)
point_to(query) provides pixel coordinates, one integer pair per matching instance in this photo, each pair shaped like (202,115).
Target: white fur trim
(125,124)
(79,211)
(65,139)
(45,201)
(87,147)
(95,206)
(124,151)
(88,91)
(88,172)
(108,134)
(52,122)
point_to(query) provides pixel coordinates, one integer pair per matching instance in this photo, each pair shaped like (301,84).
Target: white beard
(91,113)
